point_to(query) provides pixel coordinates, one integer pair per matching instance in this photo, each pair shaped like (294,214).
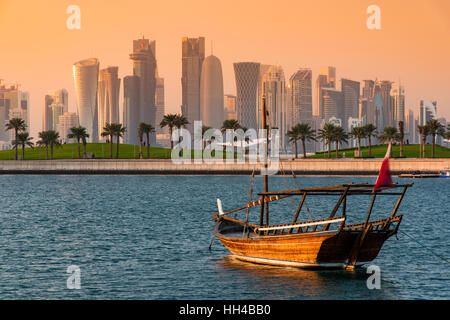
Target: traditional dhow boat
(326,242)
(329,242)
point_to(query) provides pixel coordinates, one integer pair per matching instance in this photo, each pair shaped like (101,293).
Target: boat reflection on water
(273,282)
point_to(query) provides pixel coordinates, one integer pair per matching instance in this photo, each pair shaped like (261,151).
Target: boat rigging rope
(298,187)
(417,241)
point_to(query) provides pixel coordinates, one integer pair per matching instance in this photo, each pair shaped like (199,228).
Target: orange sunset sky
(413,45)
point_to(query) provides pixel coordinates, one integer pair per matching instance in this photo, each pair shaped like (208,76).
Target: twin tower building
(97,91)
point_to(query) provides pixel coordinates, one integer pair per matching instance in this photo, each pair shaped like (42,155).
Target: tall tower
(211,93)
(108,97)
(326,79)
(351,91)
(85,73)
(247,78)
(193,54)
(301,95)
(388,112)
(159,104)
(274,90)
(131,109)
(398,103)
(144,67)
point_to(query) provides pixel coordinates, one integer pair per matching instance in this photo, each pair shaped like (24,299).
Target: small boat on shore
(314,243)
(419,175)
(445,174)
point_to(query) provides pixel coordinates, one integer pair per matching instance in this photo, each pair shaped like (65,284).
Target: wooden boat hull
(309,250)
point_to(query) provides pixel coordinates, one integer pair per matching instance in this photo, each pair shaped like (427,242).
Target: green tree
(339,137)
(18,125)
(169,120)
(49,138)
(371,131)
(424,131)
(435,128)
(401,135)
(302,132)
(326,135)
(119,131)
(23,140)
(108,131)
(230,124)
(389,135)
(145,128)
(79,133)
(358,133)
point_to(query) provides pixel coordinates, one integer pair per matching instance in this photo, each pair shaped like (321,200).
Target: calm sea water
(147,237)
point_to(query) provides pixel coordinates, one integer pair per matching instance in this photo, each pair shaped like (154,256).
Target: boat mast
(266,178)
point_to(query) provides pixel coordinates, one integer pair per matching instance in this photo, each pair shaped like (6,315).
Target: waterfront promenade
(164,167)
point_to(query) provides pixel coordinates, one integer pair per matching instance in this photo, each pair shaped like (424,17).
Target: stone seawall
(300,166)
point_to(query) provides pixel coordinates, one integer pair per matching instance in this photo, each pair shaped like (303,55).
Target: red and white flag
(384,177)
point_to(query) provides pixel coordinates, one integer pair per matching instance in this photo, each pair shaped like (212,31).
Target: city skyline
(423,72)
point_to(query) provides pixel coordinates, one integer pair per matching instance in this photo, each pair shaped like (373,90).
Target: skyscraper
(211,93)
(193,54)
(398,103)
(57,111)
(144,67)
(159,104)
(410,128)
(301,96)
(85,74)
(60,96)
(108,97)
(388,112)
(247,78)
(333,104)
(229,103)
(274,90)
(351,91)
(366,103)
(65,122)
(14,103)
(325,79)
(131,109)
(427,111)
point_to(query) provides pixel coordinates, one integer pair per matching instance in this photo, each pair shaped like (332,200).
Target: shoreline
(356,167)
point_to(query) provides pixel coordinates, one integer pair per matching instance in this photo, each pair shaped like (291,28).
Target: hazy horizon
(38,51)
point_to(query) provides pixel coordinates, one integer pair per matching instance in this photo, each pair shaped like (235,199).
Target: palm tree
(108,130)
(145,128)
(389,135)
(79,133)
(401,136)
(230,124)
(49,138)
(371,131)
(424,131)
(118,130)
(435,128)
(339,136)
(302,132)
(358,133)
(326,135)
(169,121)
(181,121)
(16,124)
(23,139)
